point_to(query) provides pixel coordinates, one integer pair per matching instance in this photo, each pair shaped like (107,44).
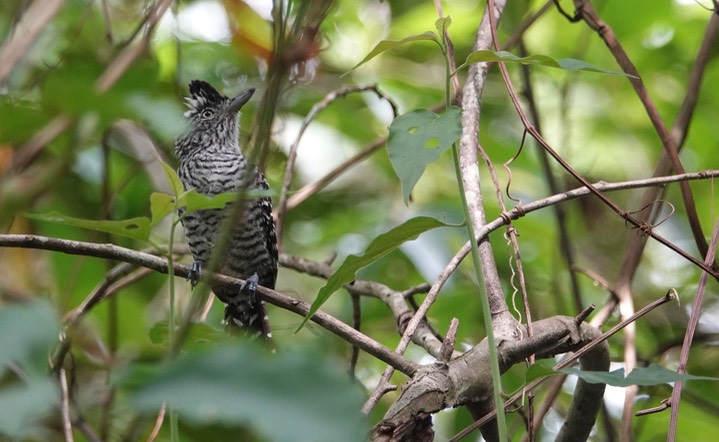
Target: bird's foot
(249,288)
(195,272)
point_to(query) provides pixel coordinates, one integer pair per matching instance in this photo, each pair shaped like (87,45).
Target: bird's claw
(249,288)
(195,272)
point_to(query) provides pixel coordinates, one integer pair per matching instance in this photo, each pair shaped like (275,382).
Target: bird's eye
(207,113)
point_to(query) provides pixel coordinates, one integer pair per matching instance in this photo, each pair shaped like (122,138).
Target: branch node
(584,314)
(445,353)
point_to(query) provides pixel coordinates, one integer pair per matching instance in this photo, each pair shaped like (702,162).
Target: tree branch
(111,251)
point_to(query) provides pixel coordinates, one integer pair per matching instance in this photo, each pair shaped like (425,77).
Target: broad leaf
(567,64)
(24,406)
(27,333)
(379,247)
(417,139)
(239,385)
(161,204)
(138,228)
(652,375)
(385,45)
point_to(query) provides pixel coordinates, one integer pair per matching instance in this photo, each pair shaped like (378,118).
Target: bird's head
(210,110)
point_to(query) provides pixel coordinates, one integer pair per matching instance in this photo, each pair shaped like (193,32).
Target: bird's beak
(240,100)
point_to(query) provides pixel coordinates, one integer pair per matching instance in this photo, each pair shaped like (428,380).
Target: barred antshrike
(211,162)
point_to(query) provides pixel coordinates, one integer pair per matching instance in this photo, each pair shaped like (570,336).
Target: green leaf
(27,333)
(138,228)
(23,407)
(442,24)
(192,200)
(417,139)
(378,248)
(239,385)
(172,178)
(385,45)
(567,64)
(652,375)
(161,204)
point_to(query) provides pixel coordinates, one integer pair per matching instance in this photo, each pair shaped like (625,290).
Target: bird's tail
(247,316)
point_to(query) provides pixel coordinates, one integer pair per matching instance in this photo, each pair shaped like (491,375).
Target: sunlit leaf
(417,139)
(379,247)
(172,178)
(567,64)
(385,45)
(138,228)
(239,385)
(652,375)
(442,24)
(161,204)
(251,33)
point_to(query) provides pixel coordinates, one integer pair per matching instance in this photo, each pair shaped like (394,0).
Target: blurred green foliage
(93,169)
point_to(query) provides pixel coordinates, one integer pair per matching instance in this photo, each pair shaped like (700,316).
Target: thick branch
(469,146)
(467,379)
(117,253)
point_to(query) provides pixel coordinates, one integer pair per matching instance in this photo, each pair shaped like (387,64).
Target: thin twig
(644,228)
(356,323)
(689,335)
(129,54)
(158,423)
(586,12)
(24,33)
(565,244)
(292,155)
(66,420)
(570,359)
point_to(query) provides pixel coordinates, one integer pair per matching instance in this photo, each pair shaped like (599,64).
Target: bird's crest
(203,94)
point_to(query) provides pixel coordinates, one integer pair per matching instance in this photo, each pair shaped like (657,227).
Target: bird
(211,162)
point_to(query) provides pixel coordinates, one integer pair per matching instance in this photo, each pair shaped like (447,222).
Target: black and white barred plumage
(212,163)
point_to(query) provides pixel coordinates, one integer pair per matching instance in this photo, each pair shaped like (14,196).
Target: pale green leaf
(385,45)
(442,24)
(567,64)
(239,385)
(25,406)
(652,375)
(161,204)
(27,333)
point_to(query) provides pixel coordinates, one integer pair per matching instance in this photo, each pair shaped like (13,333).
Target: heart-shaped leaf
(417,139)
